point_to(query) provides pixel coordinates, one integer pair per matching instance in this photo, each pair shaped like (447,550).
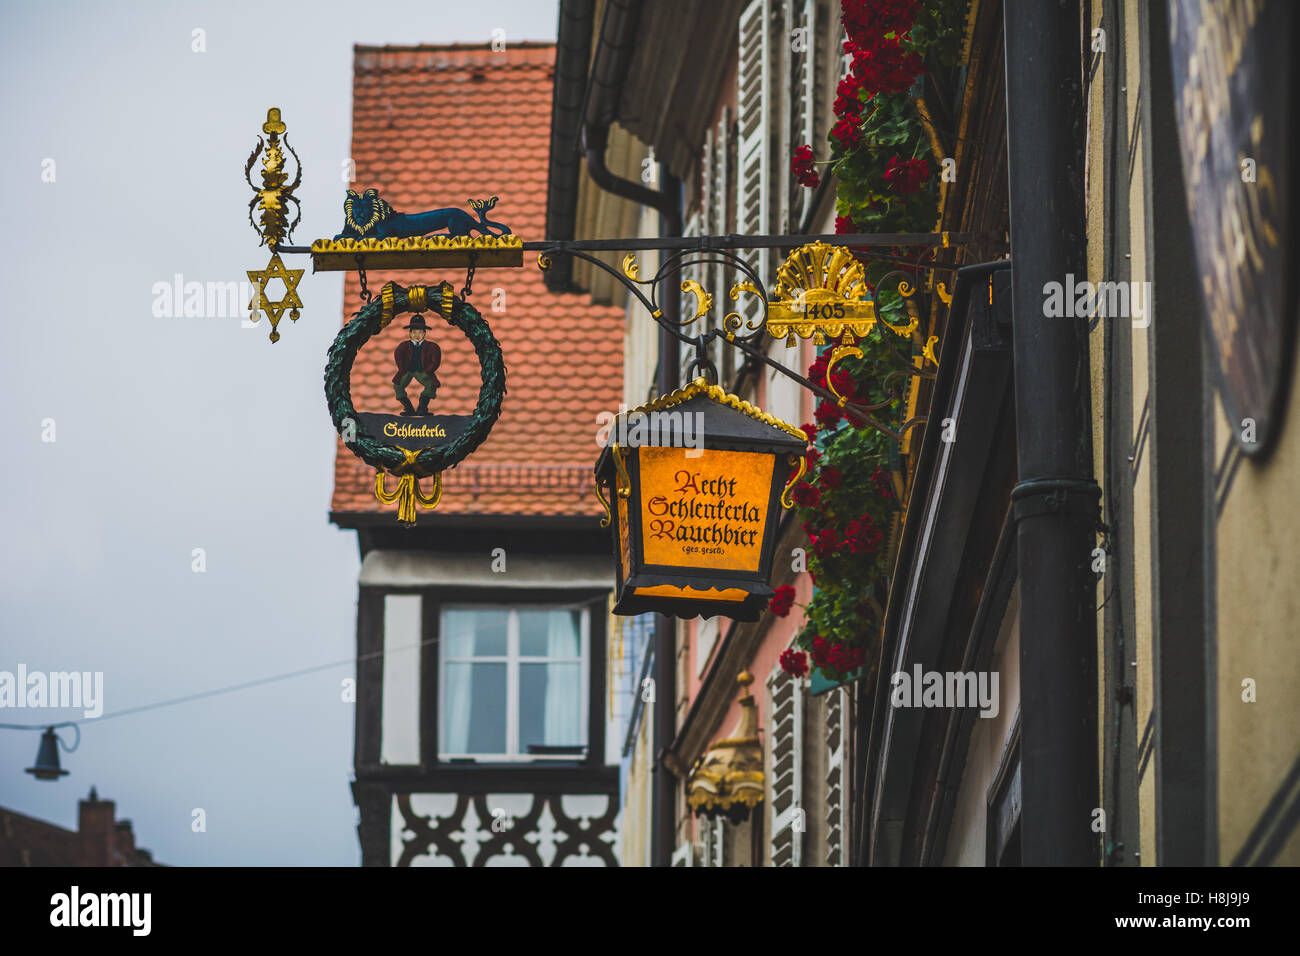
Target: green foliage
(848,502)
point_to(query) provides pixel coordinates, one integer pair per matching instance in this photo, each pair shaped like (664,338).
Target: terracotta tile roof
(433,126)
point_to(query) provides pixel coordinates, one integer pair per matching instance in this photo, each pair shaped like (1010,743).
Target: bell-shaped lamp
(47,758)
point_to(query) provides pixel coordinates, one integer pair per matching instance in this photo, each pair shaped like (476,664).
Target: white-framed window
(512,682)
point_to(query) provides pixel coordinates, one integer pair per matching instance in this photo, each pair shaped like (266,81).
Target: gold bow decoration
(408,492)
(440,298)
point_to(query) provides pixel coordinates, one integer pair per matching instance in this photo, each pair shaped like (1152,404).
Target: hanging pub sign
(408,439)
(1234,87)
(693,485)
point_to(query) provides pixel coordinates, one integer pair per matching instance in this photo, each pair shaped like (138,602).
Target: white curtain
(457,641)
(563,681)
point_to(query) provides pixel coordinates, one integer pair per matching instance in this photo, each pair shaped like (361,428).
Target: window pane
(474,709)
(474,633)
(550,705)
(550,633)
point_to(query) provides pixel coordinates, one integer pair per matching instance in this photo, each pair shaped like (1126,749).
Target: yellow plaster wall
(1142,640)
(1258,596)
(1094,210)
(635,825)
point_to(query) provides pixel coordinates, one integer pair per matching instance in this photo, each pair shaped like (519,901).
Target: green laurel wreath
(431,461)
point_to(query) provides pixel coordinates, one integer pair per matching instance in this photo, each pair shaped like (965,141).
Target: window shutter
(753,114)
(692,270)
(706,274)
(785,734)
(836,779)
(712,843)
(706,185)
(722,146)
(803,103)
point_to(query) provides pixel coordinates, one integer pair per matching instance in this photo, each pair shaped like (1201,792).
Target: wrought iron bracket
(746,334)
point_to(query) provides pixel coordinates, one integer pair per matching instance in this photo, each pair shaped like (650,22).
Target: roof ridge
(449,47)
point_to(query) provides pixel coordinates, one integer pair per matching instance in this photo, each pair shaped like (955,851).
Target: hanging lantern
(728,780)
(47,758)
(697,480)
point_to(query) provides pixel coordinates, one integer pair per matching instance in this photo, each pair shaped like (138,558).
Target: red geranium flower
(831,477)
(826,543)
(781,601)
(867,21)
(845,658)
(883,483)
(848,98)
(828,414)
(885,67)
(846,135)
(802,167)
(805,495)
(817,370)
(819,650)
(809,430)
(794,663)
(907,176)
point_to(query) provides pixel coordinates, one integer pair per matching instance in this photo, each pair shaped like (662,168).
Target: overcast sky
(174,433)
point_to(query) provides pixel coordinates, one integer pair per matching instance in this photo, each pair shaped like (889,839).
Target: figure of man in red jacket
(417,359)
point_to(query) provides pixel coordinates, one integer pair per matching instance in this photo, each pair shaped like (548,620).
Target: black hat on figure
(418,323)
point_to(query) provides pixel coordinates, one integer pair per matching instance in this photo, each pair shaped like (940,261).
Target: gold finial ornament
(728,779)
(273,199)
(276,192)
(273,126)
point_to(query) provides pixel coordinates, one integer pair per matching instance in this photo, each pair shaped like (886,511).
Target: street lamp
(698,479)
(47,758)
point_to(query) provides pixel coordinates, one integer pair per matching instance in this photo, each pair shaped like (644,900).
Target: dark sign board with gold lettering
(1233,73)
(696,479)
(422,431)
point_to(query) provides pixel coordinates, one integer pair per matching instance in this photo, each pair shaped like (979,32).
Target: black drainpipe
(609,67)
(1055,501)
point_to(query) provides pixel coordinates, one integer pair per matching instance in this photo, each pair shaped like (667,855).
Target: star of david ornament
(275,270)
(273,199)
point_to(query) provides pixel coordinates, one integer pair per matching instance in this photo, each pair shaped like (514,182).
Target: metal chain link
(467,291)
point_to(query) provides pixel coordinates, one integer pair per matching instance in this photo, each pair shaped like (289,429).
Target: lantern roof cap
(702,386)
